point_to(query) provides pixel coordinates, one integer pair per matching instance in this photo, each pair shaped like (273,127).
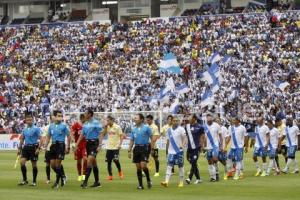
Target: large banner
(11,142)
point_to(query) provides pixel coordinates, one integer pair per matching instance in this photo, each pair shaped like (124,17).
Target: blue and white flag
(281,85)
(207,98)
(215,58)
(175,106)
(182,89)
(170,64)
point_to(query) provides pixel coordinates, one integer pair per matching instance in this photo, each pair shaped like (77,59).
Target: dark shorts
(154,153)
(283,150)
(176,159)
(57,151)
(91,147)
(112,155)
(192,155)
(140,154)
(28,152)
(47,157)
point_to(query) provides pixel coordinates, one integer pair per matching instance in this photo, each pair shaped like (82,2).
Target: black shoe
(140,187)
(95,185)
(55,186)
(217,177)
(149,184)
(83,185)
(23,183)
(212,180)
(33,184)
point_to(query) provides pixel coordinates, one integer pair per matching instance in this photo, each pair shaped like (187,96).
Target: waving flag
(170,64)
(281,85)
(215,58)
(182,89)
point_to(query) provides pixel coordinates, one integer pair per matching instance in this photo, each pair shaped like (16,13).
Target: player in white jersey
(176,141)
(262,140)
(238,137)
(272,149)
(222,157)
(291,134)
(213,133)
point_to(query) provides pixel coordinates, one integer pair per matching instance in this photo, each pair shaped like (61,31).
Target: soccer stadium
(149,99)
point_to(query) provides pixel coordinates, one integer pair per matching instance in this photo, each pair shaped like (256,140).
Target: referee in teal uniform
(140,136)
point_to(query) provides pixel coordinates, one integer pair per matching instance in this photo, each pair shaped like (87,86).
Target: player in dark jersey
(195,135)
(80,154)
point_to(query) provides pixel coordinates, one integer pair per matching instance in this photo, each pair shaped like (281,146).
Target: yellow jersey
(165,129)
(155,132)
(113,132)
(281,130)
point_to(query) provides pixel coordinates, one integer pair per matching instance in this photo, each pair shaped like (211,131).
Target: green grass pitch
(281,187)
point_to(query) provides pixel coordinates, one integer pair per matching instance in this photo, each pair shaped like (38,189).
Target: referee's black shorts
(57,151)
(28,152)
(112,154)
(91,147)
(140,153)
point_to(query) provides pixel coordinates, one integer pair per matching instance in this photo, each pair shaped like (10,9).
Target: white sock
(229,165)
(213,171)
(264,166)
(257,165)
(181,174)
(242,167)
(168,173)
(296,165)
(238,168)
(216,168)
(289,162)
(271,164)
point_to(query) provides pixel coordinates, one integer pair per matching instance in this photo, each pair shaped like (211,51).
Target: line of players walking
(212,138)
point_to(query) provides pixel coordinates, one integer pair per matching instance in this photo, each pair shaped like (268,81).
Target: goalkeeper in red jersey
(80,154)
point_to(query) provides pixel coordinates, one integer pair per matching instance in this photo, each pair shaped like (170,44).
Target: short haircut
(28,114)
(110,118)
(170,116)
(81,116)
(194,116)
(149,117)
(55,112)
(141,116)
(90,112)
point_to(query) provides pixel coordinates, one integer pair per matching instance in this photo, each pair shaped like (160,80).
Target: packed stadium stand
(72,66)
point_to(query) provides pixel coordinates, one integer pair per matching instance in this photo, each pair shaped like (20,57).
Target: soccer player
(156,136)
(47,151)
(80,154)
(114,144)
(222,157)
(195,135)
(291,134)
(283,149)
(238,138)
(272,149)
(262,141)
(57,133)
(31,136)
(213,133)
(140,136)
(165,129)
(91,131)
(176,141)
